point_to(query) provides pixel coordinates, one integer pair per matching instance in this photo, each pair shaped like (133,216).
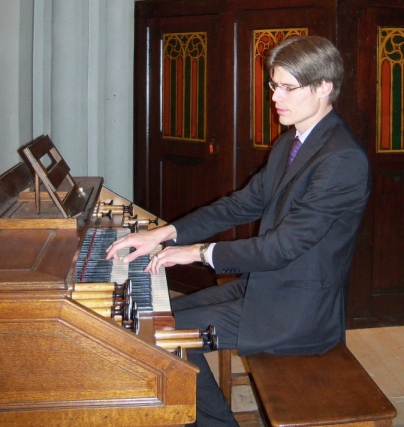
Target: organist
(291,296)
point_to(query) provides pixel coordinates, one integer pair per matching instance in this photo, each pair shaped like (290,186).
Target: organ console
(83,341)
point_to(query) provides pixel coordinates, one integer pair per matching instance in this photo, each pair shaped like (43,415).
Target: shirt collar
(304,135)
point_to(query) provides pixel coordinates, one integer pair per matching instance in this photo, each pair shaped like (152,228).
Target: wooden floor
(381,353)
(379,350)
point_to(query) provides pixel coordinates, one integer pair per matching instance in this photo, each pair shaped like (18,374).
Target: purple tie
(293,151)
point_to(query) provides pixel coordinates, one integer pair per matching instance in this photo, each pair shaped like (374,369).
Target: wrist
(167,232)
(171,232)
(202,253)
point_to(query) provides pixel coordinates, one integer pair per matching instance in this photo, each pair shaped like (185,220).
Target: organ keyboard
(95,268)
(70,364)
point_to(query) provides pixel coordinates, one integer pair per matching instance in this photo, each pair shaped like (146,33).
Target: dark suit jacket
(297,268)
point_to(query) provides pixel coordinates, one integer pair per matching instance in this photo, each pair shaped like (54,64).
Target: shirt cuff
(209,254)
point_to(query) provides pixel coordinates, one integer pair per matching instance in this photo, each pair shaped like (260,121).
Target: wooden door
(189,141)
(377,288)
(191,125)
(258,126)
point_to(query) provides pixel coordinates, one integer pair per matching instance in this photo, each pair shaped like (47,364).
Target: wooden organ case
(63,363)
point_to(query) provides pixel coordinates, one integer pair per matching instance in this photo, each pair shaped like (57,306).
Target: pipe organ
(84,341)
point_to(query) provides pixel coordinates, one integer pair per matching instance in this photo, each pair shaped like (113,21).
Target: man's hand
(144,243)
(172,255)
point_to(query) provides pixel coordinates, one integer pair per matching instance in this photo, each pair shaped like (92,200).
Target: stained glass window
(184,86)
(390,90)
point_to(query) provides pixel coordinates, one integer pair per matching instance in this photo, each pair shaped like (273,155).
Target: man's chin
(284,121)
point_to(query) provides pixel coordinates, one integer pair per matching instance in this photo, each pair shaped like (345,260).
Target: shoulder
(336,135)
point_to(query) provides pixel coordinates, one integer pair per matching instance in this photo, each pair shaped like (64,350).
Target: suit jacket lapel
(306,152)
(283,158)
(314,142)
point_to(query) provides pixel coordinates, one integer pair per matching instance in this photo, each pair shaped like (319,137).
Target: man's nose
(277,94)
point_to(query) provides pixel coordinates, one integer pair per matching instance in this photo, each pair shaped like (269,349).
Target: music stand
(52,176)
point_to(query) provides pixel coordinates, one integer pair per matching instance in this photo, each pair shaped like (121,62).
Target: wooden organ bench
(321,390)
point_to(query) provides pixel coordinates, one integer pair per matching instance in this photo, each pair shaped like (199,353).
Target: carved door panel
(377,294)
(191,126)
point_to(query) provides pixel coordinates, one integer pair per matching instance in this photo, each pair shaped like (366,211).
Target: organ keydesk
(65,361)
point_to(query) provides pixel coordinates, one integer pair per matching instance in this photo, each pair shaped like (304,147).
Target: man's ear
(324,89)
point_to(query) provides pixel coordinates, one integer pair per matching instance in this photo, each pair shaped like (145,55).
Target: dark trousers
(219,306)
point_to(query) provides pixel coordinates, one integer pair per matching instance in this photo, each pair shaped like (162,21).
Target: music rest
(18,209)
(52,171)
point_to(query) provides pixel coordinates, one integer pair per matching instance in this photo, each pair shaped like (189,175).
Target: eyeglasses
(273,86)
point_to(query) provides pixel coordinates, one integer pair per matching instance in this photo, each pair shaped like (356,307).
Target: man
(291,297)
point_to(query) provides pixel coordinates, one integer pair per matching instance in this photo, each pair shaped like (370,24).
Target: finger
(116,242)
(112,251)
(132,256)
(121,243)
(154,265)
(111,255)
